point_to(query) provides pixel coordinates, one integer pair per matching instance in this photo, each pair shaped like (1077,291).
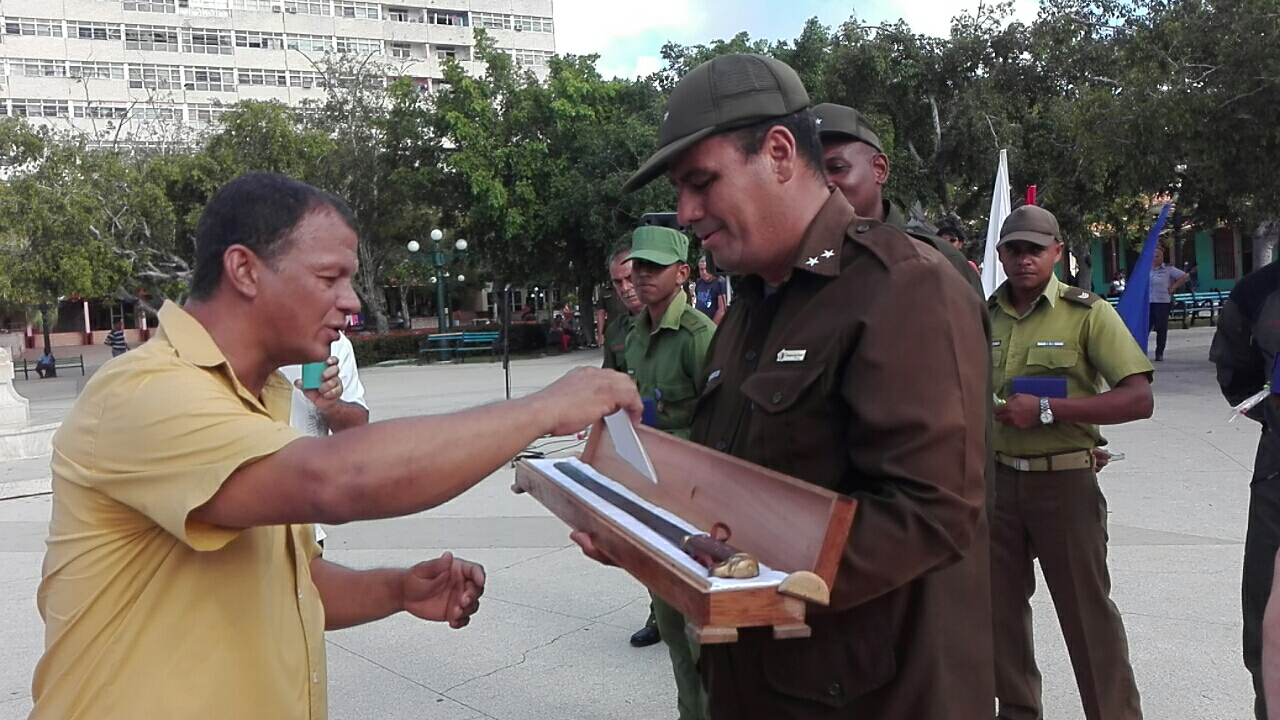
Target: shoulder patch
(1081,296)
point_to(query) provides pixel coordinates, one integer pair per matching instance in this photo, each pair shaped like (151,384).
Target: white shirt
(1162,278)
(304,415)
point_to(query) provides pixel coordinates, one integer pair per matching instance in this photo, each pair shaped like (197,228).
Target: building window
(207,42)
(397,15)
(530,58)
(359,46)
(82,30)
(399,50)
(309,43)
(151,37)
(95,110)
(208,79)
(97,70)
(358,10)
(254,5)
(266,78)
(41,108)
(151,6)
(447,17)
(204,112)
(1224,254)
(531,24)
(155,77)
(306,80)
(38,68)
(260,41)
(155,112)
(446,51)
(302,7)
(33,26)
(491,21)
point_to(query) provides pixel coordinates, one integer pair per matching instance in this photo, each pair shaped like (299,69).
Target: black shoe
(1159,357)
(646,636)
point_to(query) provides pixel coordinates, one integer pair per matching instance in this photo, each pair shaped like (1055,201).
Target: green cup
(311,375)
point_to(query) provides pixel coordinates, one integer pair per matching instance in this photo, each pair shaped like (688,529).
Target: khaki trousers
(1061,518)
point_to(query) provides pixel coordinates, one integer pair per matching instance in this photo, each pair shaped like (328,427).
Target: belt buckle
(1022,464)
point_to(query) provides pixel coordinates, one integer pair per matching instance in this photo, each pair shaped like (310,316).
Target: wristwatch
(1046,413)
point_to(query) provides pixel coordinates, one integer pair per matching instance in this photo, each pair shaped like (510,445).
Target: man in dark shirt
(709,293)
(115,340)
(1244,350)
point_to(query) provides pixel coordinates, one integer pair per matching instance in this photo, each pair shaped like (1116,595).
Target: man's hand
(585,395)
(1021,411)
(589,548)
(329,394)
(446,589)
(1100,459)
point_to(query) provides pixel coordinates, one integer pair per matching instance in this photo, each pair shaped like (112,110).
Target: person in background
(46,367)
(115,340)
(709,293)
(1117,284)
(1165,281)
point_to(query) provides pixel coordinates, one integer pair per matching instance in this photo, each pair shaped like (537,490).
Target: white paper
(627,443)
(766,579)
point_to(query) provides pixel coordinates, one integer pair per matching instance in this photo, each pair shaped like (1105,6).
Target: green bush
(373,349)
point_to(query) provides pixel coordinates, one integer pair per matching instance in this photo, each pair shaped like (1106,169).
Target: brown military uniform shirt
(865,373)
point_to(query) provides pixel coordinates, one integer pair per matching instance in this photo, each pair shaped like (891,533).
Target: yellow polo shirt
(148,614)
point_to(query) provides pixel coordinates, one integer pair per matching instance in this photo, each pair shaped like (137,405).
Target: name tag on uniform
(1049,343)
(995,343)
(791,355)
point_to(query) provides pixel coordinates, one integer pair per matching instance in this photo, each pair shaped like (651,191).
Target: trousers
(1059,518)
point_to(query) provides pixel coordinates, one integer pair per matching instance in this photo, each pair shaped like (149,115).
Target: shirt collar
(671,318)
(820,246)
(193,343)
(1052,291)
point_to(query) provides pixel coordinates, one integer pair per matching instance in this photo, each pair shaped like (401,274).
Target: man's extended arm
(404,466)
(446,589)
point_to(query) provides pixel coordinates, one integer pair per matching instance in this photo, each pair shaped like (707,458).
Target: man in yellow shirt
(182,578)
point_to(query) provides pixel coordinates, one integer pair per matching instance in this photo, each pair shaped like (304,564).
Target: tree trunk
(374,302)
(404,306)
(46,319)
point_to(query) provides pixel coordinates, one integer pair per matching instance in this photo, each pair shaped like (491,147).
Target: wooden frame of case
(787,524)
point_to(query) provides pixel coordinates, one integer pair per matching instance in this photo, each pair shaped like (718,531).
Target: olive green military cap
(724,93)
(659,245)
(1031,223)
(840,122)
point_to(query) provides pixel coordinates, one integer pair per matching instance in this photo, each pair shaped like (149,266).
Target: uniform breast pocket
(789,418)
(676,400)
(1051,360)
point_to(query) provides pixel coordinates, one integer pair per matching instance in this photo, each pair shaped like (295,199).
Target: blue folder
(1046,387)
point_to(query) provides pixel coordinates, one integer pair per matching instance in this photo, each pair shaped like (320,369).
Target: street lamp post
(439,259)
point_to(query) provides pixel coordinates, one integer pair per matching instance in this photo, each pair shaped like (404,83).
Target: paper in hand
(627,443)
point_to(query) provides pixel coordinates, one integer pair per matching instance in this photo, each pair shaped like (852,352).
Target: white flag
(992,271)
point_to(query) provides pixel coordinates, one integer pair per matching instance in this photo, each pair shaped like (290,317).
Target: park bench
(1191,306)
(444,345)
(29,366)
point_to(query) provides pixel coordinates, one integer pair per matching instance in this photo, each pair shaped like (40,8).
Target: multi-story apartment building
(139,65)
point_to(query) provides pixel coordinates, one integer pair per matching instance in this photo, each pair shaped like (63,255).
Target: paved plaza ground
(551,637)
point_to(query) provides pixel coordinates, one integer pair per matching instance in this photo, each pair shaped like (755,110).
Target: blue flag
(1135,303)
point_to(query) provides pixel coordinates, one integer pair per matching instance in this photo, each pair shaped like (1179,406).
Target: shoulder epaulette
(1081,296)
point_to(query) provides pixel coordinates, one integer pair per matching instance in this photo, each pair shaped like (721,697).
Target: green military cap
(659,245)
(1031,223)
(837,122)
(724,93)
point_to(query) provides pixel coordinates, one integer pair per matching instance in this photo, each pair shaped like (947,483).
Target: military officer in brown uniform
(832,366)
(857,166)
(1052,348)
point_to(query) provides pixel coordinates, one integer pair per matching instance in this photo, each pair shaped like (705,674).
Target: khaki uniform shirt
(1068,332)
(615,341)
(666,361)
(147,613)
(866,373)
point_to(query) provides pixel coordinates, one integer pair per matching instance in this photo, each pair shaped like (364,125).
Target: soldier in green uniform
(856,165)
(664,355)
(615,333)
(1047,337)
(615,343)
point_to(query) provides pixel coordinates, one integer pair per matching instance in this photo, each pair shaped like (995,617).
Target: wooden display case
(796,529)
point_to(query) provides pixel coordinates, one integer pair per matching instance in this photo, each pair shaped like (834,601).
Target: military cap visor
(840,122)
(1031,223)
(724,93)
(659,245)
